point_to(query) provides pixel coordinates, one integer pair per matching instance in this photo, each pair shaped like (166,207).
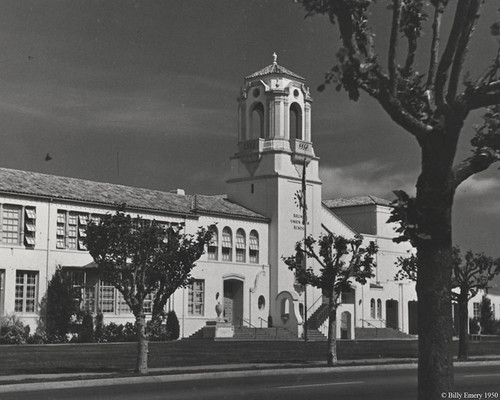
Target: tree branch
(461,49)
(436,37)
(480,161)
(483,96)
(393,46)
(450,50)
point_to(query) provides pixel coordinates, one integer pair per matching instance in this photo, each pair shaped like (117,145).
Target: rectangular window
(196,297)
(123,307)
(240,255)
(71,229)
(106,297)
(476,310)
(254,248)
(213,246)
(26,291)
(11,224)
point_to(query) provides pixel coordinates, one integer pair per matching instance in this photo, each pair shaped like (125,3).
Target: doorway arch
(345,325)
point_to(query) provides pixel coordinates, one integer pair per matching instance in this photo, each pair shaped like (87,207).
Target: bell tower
(274,151)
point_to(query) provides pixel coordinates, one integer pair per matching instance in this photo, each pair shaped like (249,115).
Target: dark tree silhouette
(432,107)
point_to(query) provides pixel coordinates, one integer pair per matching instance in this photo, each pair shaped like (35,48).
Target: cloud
(479,186)
(368,177)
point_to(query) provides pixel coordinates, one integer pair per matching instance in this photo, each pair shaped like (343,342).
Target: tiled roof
(274,68)
(356,201)
(58,187)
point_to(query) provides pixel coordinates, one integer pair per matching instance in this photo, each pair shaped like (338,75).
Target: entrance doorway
(345,325)
(233,301)
(391,313)
(413,317)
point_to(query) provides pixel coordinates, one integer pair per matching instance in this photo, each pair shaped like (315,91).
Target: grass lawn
(121,356)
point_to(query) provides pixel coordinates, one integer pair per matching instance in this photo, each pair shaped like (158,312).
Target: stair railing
(319,318)
(265,321)
(313,304)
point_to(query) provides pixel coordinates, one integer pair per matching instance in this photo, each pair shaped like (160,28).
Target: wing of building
(274,199)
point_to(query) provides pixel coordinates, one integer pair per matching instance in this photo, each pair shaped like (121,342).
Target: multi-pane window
(227,244)
(213,246)
(11,224)
(106,297)
(71,229)
(241,245)
(196,296)
(17,225)
(123,307)
(254,247)
(476,310)
(26,290)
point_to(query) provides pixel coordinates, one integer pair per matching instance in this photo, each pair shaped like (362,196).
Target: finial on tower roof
(275,58)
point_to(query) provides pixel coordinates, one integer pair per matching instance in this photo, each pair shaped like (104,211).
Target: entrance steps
(314,335)
(247,333)
(381,333)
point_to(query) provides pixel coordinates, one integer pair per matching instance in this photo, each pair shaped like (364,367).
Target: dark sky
(143,93)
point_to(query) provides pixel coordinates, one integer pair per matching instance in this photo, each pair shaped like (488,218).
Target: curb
(130,380)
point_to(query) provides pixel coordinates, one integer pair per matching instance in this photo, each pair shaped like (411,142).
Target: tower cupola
(274,115)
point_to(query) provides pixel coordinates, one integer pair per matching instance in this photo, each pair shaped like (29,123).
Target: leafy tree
(59,306)
(470,274)
(141,258)
(340,260)
(432,107)
(487,320)
(172,326)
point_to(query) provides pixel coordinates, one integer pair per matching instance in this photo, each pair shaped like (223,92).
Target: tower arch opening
(257,121)
(295,121)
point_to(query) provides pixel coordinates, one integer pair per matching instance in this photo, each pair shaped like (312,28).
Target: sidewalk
(20,383)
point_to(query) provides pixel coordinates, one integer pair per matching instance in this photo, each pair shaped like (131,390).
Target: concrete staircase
(381,333)
(246,333)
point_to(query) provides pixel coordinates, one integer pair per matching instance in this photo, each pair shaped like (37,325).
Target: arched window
(372,308)
(257,121)
(254,247)
(379,309)
(213,246)
(227,244)
(295,122)
(241,245)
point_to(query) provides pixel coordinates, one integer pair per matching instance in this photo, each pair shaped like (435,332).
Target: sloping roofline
(38,185)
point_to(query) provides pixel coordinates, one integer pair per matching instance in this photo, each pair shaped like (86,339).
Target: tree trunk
(463,322)
(142,345)
(331,356)
(434,251)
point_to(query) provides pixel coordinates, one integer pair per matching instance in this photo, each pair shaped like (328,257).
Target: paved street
(371,385)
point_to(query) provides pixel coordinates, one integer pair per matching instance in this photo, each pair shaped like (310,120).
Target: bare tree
(432,107)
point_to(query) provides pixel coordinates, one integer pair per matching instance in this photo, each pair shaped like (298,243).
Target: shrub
(13,331)
(87,328)
(173,328)
(99,327)
(58,307)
